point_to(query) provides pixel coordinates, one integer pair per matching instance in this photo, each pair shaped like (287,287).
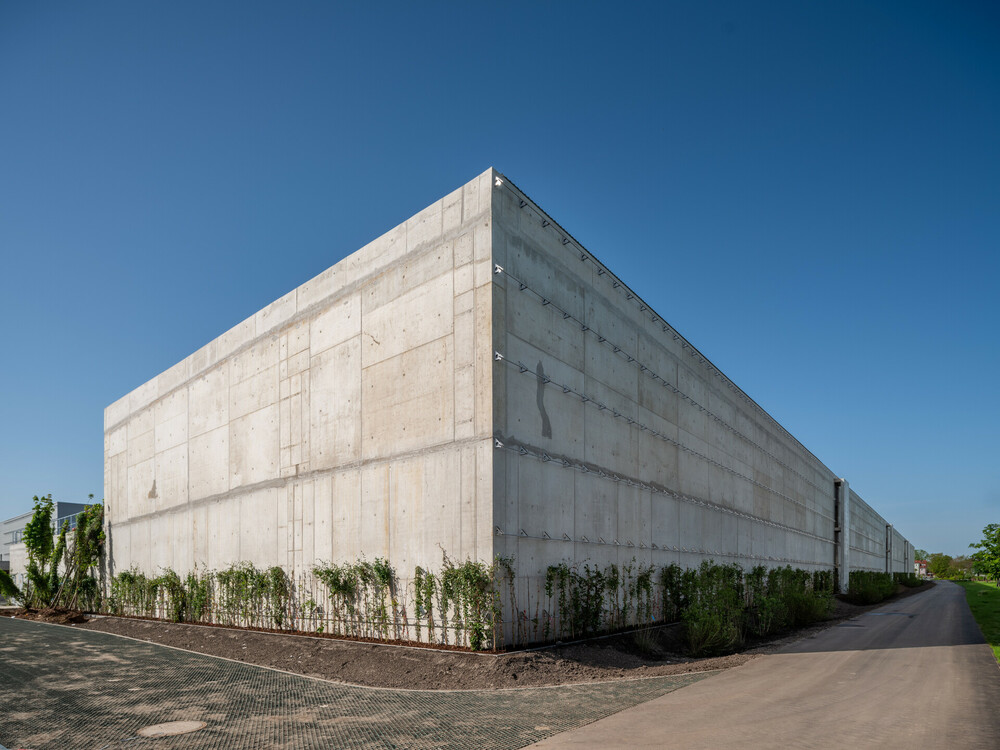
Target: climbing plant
(198,593)
(460,604)
(133,593)
(424,584)
(361,597)
(589,599)
(172,589)
(468,591)
(672,591)
(79,587)
(252,597)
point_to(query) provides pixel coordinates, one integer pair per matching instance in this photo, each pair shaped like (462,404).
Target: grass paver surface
(67,688)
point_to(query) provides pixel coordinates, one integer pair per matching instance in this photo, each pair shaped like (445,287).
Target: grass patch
(984,601)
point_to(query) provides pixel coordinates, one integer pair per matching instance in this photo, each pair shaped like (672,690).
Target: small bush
(8,589)
(711,629)
(806,608)
(823,581)
(358,595)
(132,593)
(175,594)
(869,587)
(912,580)
(714,617)
(780,598)
(672,592)
(199,594)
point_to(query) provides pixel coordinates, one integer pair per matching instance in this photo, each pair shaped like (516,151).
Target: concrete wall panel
(417,317)
(275,315)
(375,510)
(347,515)
(337,324)
(208,401)
(253,447)
(335,405)
(208,463)
(171,471)
(409,400)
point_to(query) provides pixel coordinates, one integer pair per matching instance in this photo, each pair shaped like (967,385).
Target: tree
(43,554)
(79,556)
(939,565)
(920,554)
(987,559)
(79,586)
(961,567)
(9,589)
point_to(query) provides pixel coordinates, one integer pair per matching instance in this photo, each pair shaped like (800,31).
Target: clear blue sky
(808,191)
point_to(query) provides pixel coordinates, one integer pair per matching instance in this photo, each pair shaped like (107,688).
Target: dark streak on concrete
(540,400)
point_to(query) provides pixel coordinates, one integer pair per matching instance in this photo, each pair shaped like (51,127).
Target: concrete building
(474,381)
(10,534)
(13,556)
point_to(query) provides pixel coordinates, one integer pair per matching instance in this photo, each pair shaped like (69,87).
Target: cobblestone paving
(65,688)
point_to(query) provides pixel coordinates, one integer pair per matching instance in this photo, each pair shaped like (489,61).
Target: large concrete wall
(474,381)
(621,440)
(875,544)
(351,417)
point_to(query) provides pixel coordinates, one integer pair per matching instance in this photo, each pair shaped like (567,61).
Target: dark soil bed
(625,656)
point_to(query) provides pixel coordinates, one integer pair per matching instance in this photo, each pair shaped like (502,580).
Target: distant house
(920,568)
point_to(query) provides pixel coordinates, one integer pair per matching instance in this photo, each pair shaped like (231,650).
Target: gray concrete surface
(349,418)
(913,674)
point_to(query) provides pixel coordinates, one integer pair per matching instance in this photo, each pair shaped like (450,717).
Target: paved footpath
(913,674)
(65,689)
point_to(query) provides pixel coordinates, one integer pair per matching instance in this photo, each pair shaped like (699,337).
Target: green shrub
(132,593)
(780,598)
(199,594)
(173,591)
(468,589)
(870,587)
(672,592)
(711,630)
(248,596)
(9,589)
(823,581)
(806,607)
(358,594)
(717,604)
(912,580)
(714,617)
(581,597)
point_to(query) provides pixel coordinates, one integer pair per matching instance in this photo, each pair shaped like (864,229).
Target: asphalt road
(913,674)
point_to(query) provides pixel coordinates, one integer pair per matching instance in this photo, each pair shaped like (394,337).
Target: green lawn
(984,601)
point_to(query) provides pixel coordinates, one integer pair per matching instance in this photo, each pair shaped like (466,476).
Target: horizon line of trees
(984,562)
